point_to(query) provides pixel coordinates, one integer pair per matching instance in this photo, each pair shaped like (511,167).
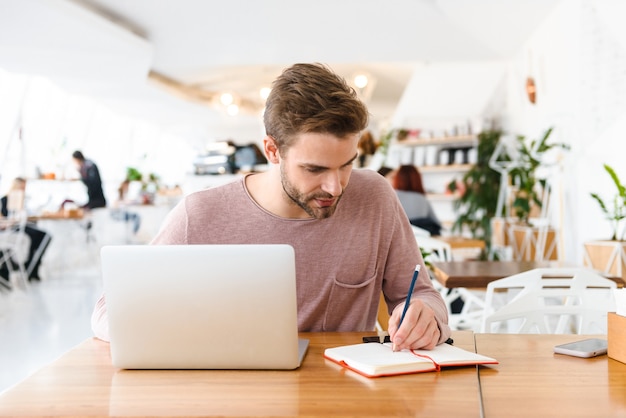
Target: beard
(304,201)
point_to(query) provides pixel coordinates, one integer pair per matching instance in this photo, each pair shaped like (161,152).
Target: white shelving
(461,140)
(450,168)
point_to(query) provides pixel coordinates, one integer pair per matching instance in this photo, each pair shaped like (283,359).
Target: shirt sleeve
(404,246)
(100,320)
(173,231)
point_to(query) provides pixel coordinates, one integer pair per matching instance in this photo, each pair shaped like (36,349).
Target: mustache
(322,195)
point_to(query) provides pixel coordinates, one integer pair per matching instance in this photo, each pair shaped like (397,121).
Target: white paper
(620,301)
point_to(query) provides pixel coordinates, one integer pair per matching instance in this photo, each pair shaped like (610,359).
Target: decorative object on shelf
(531,90)
(609,256)
(477,205)
(402,134)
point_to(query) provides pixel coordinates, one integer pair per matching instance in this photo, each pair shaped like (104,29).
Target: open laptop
(202,306)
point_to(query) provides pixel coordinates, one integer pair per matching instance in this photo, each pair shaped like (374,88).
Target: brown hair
(409,179)
(367,143)
(311,98)
(18,183)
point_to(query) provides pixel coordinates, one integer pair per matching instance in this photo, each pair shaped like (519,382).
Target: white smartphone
(584,348)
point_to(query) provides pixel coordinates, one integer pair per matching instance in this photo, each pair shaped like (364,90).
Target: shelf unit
(461,140)
(449,168)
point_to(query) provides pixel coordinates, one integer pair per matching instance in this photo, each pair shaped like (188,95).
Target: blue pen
(408,297)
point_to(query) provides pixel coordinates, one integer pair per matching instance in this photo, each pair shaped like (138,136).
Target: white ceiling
(107,48)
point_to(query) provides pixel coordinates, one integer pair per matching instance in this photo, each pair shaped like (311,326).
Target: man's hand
(419,328)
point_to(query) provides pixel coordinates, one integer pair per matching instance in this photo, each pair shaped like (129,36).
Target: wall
(443,94)
(577,57)
(580,71)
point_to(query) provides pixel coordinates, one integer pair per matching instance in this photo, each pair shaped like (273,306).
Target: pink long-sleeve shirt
(342,262)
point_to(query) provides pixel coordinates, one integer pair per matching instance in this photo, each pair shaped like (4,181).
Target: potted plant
(148,186)
(478,192)
(617,212)
(529,187)
(609,256)
(531,242)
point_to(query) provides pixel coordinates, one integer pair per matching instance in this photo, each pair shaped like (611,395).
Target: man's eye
(314,169)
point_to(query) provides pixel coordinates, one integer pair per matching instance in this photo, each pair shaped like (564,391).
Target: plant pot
(524,242)
(606,256)
(532,243)
(500,232)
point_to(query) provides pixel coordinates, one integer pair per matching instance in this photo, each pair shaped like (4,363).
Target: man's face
(316,170)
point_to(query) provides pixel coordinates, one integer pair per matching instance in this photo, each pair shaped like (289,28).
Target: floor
(40,323)
(43,321)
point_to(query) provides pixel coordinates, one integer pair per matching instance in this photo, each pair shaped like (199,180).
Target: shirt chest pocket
(351,302)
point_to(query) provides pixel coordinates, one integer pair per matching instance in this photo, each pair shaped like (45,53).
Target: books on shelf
(375,359)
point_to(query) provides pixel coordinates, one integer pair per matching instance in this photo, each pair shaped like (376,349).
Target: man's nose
(332,184)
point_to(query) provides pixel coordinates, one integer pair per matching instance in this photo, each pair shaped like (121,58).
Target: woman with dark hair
(407,181)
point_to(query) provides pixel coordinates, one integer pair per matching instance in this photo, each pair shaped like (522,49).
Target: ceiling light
(360,80)
(226,99)
(265,92)
(232,109)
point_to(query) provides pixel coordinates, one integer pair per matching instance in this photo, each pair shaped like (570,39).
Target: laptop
(202,306)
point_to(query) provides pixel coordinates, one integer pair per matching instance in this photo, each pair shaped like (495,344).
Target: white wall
(577,57)
(440,95)
(580,70)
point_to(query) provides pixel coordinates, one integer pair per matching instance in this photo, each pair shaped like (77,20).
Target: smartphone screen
(585,348)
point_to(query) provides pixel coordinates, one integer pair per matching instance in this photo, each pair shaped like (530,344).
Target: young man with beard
(351,236)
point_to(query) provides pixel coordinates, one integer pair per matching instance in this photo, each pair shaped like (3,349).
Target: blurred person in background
(90,176)
(367,147)
(37,236)
(407,182)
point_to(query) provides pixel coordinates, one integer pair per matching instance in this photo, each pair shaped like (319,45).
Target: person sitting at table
(407,182)
(38,237)
(120,212)
(350,235)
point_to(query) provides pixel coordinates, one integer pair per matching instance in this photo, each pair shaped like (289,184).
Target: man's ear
(271,150)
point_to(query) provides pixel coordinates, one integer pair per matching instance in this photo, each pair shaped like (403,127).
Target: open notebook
(202,306)
(375,359)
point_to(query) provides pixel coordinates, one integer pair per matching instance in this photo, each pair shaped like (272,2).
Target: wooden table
(532,381)
(478,274)
(60,215)
(83,382)
(529,381)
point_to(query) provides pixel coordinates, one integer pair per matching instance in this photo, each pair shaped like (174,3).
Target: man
(350,234)
(90,175)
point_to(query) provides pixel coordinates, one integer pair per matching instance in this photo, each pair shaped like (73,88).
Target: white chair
(438,250)
(473,303)
(549,301)
(14,244)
